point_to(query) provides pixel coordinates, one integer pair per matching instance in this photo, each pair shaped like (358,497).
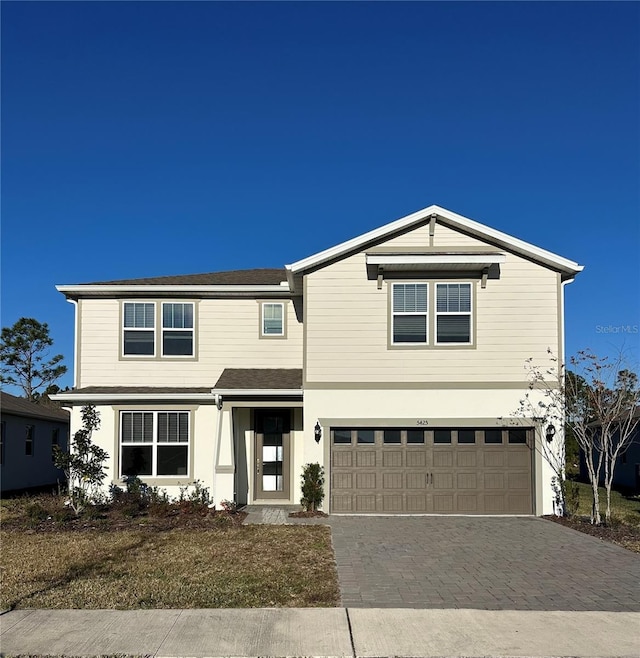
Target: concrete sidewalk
(320,632)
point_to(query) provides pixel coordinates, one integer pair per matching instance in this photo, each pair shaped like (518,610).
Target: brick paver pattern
(515,563)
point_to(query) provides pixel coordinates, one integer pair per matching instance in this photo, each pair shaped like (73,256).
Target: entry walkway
(337,632)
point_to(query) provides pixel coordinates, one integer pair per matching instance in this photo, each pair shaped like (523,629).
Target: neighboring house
(626,474)
(393,359)
(28,433)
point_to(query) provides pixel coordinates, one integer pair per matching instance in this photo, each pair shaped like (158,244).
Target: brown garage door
(446,470)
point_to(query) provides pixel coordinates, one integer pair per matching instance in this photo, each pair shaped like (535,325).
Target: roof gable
(441,215)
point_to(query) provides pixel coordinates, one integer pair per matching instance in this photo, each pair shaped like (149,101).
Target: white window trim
(437,313)
(283,331)
(191,329)
(155,443)
(152,329)
(401,313)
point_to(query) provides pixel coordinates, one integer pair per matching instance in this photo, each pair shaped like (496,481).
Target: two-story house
(392,359)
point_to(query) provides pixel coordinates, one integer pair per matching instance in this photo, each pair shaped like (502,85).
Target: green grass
(238,567)
(623,508)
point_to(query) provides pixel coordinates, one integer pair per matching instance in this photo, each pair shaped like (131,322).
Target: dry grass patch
(245,566)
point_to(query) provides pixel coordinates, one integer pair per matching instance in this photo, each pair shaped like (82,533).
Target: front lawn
(182,559)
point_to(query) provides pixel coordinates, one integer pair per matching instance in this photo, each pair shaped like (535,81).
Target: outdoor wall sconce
(317,432)
(551,432)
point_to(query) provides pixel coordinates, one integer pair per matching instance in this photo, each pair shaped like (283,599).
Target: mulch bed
(623,534)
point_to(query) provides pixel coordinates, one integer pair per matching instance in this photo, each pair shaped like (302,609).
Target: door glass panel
(466,436)
(272,454)
(415,436)
(366,436)
(442,436)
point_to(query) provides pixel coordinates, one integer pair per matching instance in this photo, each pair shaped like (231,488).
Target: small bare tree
(597,401)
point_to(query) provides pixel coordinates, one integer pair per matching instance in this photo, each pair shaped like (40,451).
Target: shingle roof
(256,277)
(16,406)
(260,378)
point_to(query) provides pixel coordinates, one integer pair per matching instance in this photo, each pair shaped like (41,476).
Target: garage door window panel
(342,437)
(367,437)
(493,437)
(392,437)
(466,436)
(442,436)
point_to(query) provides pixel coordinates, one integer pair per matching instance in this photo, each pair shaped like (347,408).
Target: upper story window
(272,319)
(409,311)
(177,329)
(139,329)
(453,313)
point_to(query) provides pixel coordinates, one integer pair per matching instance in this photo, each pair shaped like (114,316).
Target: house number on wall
(422,422)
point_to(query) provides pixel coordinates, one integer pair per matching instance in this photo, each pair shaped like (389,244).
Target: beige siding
(448,237)
(347,328)
(227,337)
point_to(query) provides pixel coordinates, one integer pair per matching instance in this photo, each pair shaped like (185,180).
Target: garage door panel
(393,480)
(519,458)
(443,503)
(342,458)
(467,503)
(416,503)
(494,480)
(494,504)
(392,459)
(342,480)
(443,480)
(465,458)
(493,458)
(342,503)
(366,458)
(467,481)
(365,503)
(518,504)
(520,481)
(365,480)
(392,503)
(443,458)
(416,459)
(416,480)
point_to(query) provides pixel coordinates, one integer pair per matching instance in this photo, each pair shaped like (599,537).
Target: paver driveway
(487,563)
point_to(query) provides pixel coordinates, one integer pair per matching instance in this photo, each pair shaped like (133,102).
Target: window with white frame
(272,319)
(409,313)
(453,313)
(177,329)
(139,329)
(154,443)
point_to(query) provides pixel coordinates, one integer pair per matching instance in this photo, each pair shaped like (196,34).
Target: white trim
(88,289)
(125,397)
(452,218)
(259,392)
(76,324)
(435,259)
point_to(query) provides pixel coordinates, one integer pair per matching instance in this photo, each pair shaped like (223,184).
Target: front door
(272,431)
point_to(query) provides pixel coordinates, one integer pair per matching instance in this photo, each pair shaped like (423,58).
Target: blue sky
(144,138)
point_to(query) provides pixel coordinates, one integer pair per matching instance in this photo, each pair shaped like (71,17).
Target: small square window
(341,436)
(415,436)
(391,436)
(466,436)
(366,436)
(517,436)
(442,436)
(493,436)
